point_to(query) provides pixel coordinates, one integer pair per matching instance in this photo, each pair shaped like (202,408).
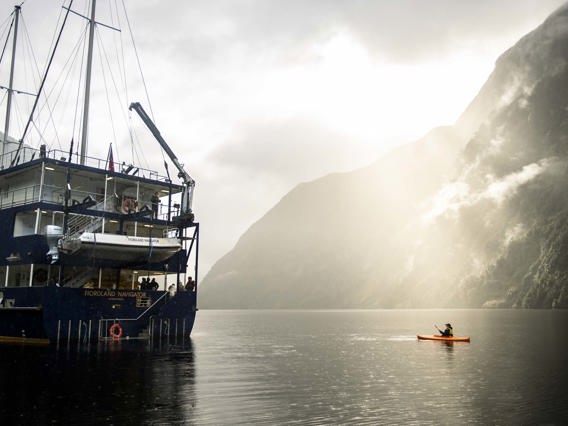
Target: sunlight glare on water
(305,367)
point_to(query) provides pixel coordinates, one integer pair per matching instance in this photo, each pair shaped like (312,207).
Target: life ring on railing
(128,205)
(115,331)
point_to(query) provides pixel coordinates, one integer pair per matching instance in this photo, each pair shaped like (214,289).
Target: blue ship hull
(59,314)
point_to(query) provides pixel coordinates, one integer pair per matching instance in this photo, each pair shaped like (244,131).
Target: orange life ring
(128,205)
(115,331)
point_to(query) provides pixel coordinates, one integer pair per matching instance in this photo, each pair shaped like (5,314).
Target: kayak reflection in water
(448,331)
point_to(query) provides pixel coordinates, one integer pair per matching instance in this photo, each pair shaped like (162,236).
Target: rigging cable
(121,61)
(77,97)
(35,62)
(138,61)
(60,80)
(64,76)
(101,49)
(140,70)
(104,54)
(51,46)
(7,38)
(41,86)
(132,130)
(4,23)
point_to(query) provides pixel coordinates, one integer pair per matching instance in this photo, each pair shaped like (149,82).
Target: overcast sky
(256,96)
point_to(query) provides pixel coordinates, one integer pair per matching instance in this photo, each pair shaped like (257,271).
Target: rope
(140,70)
(78,110)
(60,81)
(101,49)
(42,84)
(46,105)
(7,37)
(138,61)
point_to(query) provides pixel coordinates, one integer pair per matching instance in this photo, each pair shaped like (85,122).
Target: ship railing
(49,194)
(103,164)
(157,328)
(27,154)
(15,156)
(19,196)
(106,323)
(82,278)
(77,223)
(170,233)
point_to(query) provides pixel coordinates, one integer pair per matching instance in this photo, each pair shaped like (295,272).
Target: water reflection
(125,382)
(302,367)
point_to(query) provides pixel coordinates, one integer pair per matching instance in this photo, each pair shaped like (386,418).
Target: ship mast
(11,82)
(85,127)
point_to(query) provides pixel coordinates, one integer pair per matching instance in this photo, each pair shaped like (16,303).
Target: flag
(110,159)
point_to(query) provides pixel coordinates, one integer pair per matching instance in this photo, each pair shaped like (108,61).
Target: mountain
(472,215)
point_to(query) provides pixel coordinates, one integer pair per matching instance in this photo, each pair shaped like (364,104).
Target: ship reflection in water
(123,382)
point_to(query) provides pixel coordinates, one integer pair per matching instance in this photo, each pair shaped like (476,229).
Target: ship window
(25,223)
(50,218)
(19,276)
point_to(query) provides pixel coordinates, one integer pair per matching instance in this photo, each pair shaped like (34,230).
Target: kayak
(443,338)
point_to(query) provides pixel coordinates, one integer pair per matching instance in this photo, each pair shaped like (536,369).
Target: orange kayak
(442,338)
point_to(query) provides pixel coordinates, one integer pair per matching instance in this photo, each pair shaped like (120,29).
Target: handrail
(142,314)
(28,154)
(78,224)
(30,194)
(81,278)
(19,196)
(153,304)
(103,322)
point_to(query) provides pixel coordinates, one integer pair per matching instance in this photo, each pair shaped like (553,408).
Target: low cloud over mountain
(471,215)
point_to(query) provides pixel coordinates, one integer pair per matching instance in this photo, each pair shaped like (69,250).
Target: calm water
(304,367)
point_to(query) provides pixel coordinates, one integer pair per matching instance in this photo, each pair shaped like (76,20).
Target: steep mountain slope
(472,215)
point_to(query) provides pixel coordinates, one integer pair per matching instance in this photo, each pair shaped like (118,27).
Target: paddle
(438,329)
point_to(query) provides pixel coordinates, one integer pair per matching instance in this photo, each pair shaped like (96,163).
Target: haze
(256,96)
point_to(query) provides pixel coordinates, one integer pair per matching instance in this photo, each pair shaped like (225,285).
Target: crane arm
(187,179)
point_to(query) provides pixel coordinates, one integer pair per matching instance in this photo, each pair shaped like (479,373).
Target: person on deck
(155,204)
(190,284)
(144,284)
(448,331)
(153,284)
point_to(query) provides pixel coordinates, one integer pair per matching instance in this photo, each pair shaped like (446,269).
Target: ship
(92,249)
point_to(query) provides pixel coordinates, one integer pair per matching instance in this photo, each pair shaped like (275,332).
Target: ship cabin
(90,224)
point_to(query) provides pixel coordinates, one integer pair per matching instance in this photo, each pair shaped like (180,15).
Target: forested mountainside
(473,215)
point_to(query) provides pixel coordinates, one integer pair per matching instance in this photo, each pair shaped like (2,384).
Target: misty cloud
(333,77)
(455,195)
(289,150)
(500,189)
(448,199)
(246,176)
(514,233)
(285,30)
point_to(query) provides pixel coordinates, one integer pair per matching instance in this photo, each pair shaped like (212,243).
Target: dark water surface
(303,367)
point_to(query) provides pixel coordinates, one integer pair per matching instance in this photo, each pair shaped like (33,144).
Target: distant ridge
(470,215)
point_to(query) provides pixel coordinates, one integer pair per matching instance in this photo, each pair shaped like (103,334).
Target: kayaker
(448,331)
